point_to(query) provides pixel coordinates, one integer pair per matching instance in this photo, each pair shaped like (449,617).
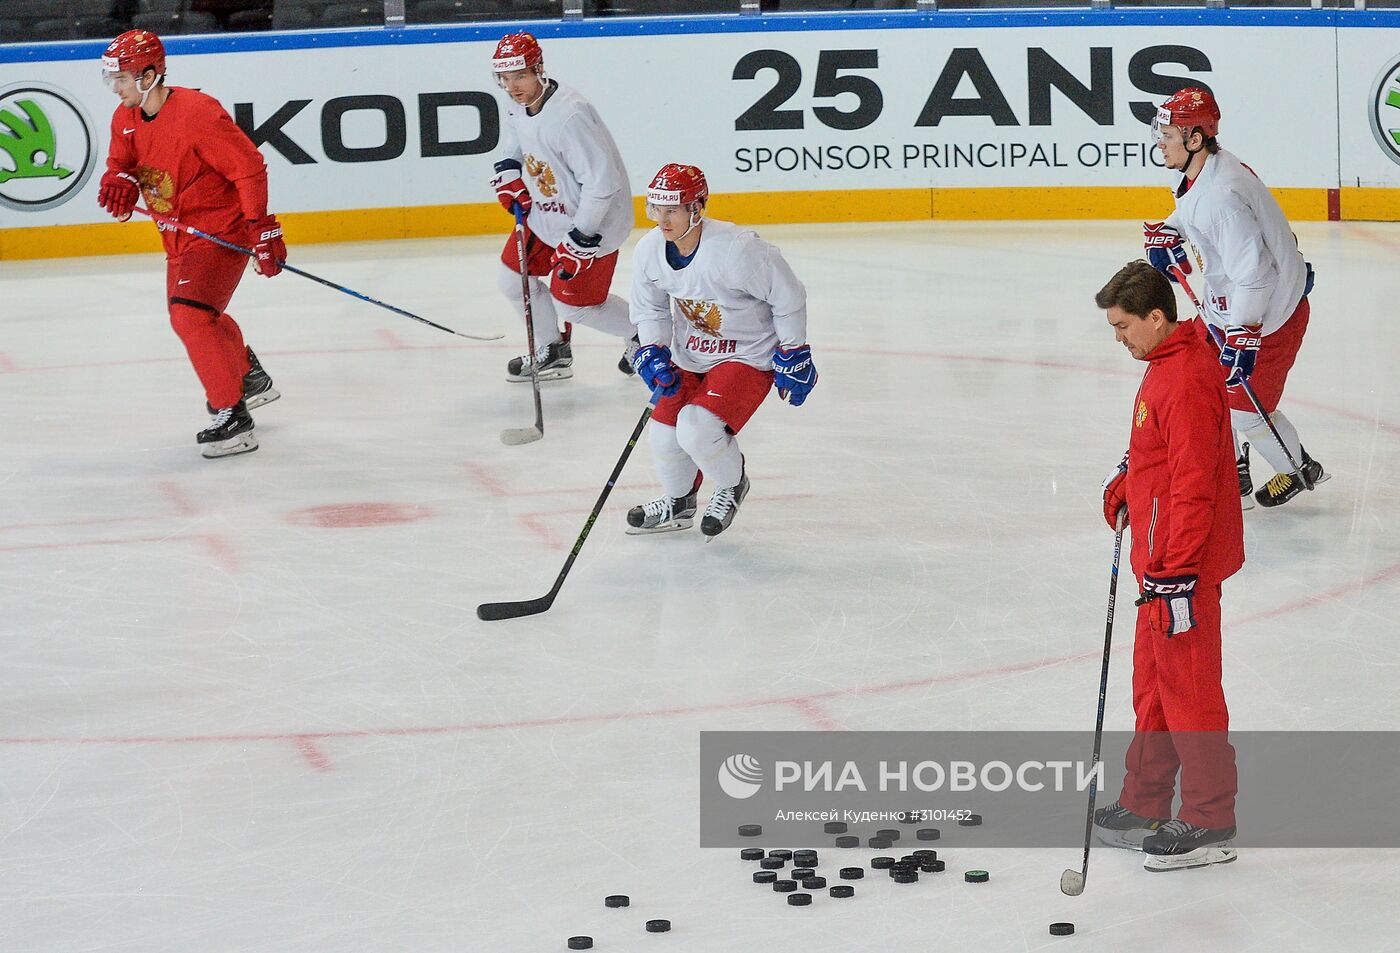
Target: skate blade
(1200,857)
(243,443)
(517,436)
(559,374)
(1247,502)
(670,527)
(266,397)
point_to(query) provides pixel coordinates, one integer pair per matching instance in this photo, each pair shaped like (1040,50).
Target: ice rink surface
(246,704)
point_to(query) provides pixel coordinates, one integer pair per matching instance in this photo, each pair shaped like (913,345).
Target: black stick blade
(495,611)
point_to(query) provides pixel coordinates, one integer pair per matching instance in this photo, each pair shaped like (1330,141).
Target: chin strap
(696,215)
(148,90)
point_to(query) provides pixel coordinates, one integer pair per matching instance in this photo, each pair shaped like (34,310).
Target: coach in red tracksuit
(1180,489)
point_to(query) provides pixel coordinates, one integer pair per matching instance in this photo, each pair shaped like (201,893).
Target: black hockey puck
(852,873)
(904,869)
(881,863)
(772,863)
(1061,929)
(842,890)
(800,900)
(813,883)
(658,926)
(977,876)
(848,840)
(972,820)
(580,942)
(910,817)
(805,858)
(617,900)
(888,833)
(802,873)
(835,827)
(751,853)
(928,833)
(750,830)
(932,866)
(784,886)
(905,876)
(764,876)
(880,843)
(926,854)
(782,853)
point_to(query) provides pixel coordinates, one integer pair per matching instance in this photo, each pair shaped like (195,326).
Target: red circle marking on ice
(342,515)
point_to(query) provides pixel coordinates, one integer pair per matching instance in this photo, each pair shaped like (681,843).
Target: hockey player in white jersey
(578,210)
(721,319)
(1256,281)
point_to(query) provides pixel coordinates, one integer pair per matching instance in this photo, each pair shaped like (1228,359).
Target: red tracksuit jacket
(1182,488)
(194,164)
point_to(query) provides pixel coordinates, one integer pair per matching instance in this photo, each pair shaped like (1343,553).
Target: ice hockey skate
(666,514)
(1117,826)
(1182,846)
(1246,484)
(722,507)
(1282,487)
(257,384)
(229,433)
(556,363)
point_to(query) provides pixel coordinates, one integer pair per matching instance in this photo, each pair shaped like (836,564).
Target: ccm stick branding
(966,87)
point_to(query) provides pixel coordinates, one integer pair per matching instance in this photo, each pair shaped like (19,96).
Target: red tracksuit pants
(199,282)
(1182,721)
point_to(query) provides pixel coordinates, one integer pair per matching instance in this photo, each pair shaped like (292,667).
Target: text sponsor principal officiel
(927,155)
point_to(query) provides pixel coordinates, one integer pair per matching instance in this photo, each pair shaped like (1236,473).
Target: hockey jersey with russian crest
(737,299)
(573,168)
(1254,272)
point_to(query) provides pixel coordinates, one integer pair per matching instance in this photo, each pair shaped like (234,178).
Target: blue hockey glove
(794,374)
(1163,245)
(654,366)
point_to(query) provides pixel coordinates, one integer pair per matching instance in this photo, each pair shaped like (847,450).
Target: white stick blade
(1071,883)
(515,437)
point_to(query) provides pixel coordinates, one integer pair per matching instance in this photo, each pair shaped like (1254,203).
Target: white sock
(702,435)
(611,317)
(673,465)
(1256,431)
(546,319)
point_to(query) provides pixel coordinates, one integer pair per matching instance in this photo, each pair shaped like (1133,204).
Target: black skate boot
(1282,487)
(556,363)
(624,363)
(723,505)
(1117,826)
(666,514)
(1181,846)
(257,385)
(1246,484)
(230,432)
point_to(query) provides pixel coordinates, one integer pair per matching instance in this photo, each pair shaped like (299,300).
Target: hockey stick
(1072,881)
(191,230)
(492,611)
(518,435)
(1249,391)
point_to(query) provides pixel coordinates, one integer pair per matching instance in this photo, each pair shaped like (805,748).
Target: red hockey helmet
(134,52)
(677,184)
(1190,108)
(517,51)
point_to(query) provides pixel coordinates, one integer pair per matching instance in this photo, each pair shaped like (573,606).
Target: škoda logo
(47,150)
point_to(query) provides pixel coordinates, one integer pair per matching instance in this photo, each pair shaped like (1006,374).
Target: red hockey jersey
(1182,488)
(194,164)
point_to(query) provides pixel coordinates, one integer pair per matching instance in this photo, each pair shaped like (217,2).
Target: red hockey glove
(1174,593)
(575,253)
(1115,495)
(510,187)
(117,193)
(269,251)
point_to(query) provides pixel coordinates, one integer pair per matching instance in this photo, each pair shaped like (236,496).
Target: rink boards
(374,134)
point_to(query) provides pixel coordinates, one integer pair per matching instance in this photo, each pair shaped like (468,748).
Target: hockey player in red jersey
(1177,491)
(179,149)
(1255,286)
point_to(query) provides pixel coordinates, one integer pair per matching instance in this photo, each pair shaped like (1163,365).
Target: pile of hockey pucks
(613,902)
(803,873)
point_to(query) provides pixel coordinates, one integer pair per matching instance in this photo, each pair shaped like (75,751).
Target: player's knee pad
(190,317)
(700,433)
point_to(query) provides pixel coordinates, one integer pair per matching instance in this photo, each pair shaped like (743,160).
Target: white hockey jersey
(1254,273)
(573,168)
(737,300)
